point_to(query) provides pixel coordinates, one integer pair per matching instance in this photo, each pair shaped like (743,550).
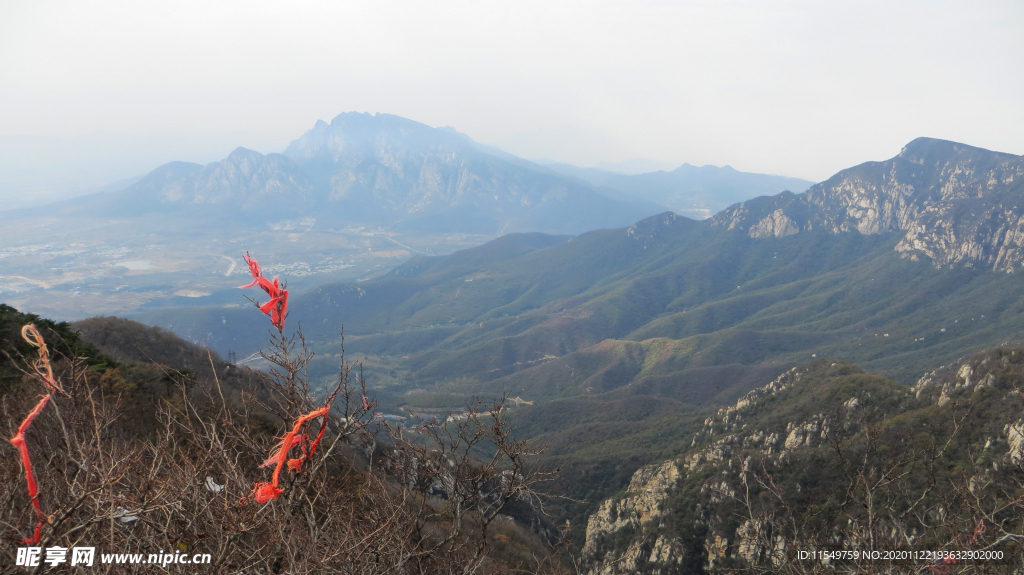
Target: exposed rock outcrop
(954,204)
(812,459)
(646,490)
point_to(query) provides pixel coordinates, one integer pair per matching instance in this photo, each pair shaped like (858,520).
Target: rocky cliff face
(826,456)
(633,534)
(954,204)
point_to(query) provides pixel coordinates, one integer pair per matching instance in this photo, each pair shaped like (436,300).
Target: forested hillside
(829,458)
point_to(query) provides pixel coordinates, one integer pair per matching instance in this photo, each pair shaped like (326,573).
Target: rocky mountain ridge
(954,204)
(246,181)
(377,170)
(794,465)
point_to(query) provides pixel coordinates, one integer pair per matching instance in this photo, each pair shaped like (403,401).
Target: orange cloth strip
(266,491)
(277,307)
(33,491)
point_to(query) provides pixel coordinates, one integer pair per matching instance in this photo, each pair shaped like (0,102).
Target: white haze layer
(94,92)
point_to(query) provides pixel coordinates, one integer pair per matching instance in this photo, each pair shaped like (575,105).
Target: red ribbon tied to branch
(45,372)
(277,307)
(264,491)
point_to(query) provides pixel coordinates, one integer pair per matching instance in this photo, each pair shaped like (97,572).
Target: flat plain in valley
(71,268)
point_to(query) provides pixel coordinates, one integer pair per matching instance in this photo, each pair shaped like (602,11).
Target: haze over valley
(347,201)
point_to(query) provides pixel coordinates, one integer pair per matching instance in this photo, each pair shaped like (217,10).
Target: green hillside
(515,314)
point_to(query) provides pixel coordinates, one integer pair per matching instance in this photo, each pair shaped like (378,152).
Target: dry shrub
(429,500)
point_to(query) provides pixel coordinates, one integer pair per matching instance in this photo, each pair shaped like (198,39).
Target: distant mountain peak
(241,153)
(649,229)
(364,135)
(924,150)
(662,219)
(693,191)
(380,170)
(635,166)
(956,205)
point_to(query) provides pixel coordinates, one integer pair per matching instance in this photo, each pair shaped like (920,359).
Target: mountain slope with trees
(829,458)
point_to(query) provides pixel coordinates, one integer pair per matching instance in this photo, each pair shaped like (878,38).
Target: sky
(92,92)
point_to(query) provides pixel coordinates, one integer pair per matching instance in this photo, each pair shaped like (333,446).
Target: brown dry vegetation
(133,461)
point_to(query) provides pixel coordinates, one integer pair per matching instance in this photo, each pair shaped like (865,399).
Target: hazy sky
(103,90)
